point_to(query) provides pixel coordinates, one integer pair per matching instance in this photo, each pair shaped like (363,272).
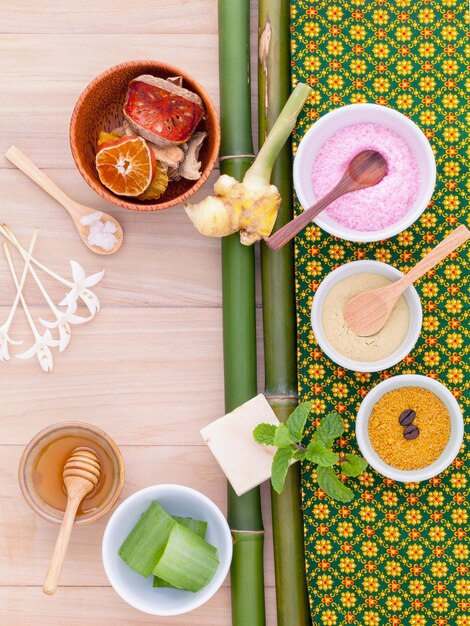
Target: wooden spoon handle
(23,163)
(290,230)
(456,238)
(57,560)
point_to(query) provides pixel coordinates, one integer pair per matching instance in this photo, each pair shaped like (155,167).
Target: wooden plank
(85,606)
(164,261)
(145,376)
(110,16)
(25,549)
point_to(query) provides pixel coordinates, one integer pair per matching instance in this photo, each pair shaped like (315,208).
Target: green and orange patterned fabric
(398,553)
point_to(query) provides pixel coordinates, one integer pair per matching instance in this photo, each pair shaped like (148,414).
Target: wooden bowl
(100,108)
(99,441)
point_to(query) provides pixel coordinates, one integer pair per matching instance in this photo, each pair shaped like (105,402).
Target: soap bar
(245,463)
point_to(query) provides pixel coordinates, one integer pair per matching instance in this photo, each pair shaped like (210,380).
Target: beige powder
(342,339)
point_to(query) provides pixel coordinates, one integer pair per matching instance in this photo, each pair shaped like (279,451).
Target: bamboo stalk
(280,341)
(239,311)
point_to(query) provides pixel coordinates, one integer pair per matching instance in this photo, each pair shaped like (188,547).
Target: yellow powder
(386,433)
(342,339)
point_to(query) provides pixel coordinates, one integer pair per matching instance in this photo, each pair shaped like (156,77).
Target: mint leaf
(317,453)
(281,462)
(264,433)
(282,437)
(297,420)
(354,465)
(331,427)
(332,485)
(299,455)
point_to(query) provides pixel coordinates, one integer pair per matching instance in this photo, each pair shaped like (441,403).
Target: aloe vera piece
(188,561)
(146,542)
(199,527)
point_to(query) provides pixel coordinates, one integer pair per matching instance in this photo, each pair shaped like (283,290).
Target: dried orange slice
(126,166)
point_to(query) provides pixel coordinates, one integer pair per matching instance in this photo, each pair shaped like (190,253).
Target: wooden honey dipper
(81,474)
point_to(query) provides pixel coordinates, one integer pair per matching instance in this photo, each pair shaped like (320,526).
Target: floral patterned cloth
(397,554)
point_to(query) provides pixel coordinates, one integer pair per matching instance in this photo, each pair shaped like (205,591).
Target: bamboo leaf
(281,462)
(317,453)
(282,437)
(331,427)
(354,465)
(264,433)
(297,420)
(331,485)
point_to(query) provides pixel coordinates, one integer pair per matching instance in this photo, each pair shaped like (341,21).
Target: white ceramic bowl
(366,267)
(327,126)
(448,454)
(138,591)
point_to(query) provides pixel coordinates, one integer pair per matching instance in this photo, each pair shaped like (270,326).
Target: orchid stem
(7,233)
(23,302)
(43,291)
(20,286)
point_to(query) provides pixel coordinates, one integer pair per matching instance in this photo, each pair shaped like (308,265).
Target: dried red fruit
(162,112)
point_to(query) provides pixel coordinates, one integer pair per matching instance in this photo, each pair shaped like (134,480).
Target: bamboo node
(236,156)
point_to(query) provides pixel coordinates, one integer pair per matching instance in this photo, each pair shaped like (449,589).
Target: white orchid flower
(42,343)
(80,288)
(5,340)
(42,349)
(63,321)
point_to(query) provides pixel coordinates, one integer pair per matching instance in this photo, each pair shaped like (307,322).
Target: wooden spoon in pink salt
(366,169)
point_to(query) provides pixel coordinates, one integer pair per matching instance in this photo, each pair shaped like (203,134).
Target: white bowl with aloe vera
(167,549)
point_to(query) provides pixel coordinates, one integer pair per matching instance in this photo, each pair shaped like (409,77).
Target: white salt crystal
(91,218)
(101,233)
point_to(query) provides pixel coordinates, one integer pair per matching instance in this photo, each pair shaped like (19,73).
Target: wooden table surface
(148,369)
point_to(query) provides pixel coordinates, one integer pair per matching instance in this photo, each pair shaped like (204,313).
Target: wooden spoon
(81,475)
(74,209)
(368,312)
(366,169)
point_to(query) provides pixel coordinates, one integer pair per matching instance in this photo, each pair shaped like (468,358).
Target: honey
(49,465)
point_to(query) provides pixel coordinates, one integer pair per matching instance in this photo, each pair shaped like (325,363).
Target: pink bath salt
(376,207)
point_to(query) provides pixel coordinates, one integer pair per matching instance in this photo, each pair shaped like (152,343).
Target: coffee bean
(411,432)
(407,417)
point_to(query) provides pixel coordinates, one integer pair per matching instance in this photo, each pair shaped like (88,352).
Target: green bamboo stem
(239,310)
(280,341)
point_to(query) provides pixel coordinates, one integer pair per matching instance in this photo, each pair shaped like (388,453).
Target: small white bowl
(366,267)
(327,126)
(448,454)
(138,591)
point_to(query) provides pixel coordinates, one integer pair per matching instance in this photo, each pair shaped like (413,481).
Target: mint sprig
(287,437)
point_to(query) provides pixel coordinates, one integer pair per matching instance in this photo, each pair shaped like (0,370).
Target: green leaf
(264,433)
(299,455)
(281,462)
(282,437)
(332,485)
(331,427)
(317,453)
(354,465)
(297,420)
